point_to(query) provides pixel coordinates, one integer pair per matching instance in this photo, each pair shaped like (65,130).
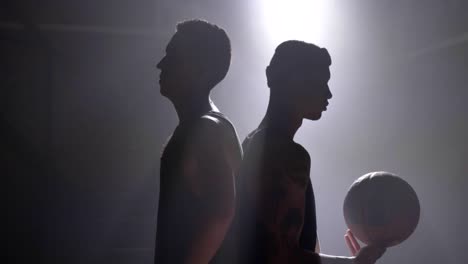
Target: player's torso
(272,187)
(179,204)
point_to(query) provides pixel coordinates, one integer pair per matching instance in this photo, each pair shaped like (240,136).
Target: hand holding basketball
(366,255)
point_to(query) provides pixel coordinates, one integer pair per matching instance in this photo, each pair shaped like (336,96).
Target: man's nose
(329,94)
(160,63)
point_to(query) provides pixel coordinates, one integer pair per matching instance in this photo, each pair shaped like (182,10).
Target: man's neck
(193,107)
(282,119)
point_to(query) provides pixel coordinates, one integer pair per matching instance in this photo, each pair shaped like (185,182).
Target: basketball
(381,209)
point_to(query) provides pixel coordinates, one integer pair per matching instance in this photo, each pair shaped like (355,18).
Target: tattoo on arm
(290,226)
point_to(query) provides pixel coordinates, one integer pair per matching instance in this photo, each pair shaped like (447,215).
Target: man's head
(197,58)
(298,75)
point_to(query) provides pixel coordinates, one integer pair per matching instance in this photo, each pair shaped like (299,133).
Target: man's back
(190,179)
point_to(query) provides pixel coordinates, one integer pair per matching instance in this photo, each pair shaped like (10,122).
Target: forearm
(317,246)
(206,243)
(309,257)
(329,259)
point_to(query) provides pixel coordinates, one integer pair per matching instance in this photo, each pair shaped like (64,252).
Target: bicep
(214,175)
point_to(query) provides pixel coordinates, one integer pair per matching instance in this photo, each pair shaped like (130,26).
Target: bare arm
(294,252)
(365,255)
(214,161)
(317,246)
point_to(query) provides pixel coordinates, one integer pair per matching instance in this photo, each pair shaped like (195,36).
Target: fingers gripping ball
(381,209)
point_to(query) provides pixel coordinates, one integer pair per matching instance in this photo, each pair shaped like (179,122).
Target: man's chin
(314,117)
(162,91)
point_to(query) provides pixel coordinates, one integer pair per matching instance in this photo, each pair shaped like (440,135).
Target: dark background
(83,123)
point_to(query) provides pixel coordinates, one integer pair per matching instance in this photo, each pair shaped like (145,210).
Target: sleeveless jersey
(178,210)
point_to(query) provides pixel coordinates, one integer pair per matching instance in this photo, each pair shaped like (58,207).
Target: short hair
(211,46)
(292,56)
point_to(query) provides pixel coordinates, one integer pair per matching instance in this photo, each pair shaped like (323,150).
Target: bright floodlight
(294,19)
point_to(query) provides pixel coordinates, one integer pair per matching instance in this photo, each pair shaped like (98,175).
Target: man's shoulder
(215,122)
(201,130)
(273,148)
(255,140)
(263,138)
(298,157)
(298,149)
(215,129)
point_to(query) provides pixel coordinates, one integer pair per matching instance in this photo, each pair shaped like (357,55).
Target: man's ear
(205,77)
(203,74)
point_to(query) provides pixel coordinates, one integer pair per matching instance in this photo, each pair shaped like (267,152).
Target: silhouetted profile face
(177,70)
(197,58)
(298,74)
